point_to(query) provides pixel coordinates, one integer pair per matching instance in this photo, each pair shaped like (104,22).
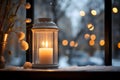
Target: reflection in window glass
(81,35)
(115,32)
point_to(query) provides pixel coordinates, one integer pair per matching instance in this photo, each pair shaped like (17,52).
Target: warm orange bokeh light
(21,35)
(86,36)
(28,20)
(90,27)
(24,45)
(27,6)
(76,44)
(91,42)
(115,10)
(93,12)
(118,45)
(82,13)
(93,37)
(72,43)
(102,42)
(65,42)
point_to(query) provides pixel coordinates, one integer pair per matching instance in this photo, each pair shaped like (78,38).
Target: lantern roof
(44,23)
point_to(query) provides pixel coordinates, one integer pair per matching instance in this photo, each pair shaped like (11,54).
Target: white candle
(46,55)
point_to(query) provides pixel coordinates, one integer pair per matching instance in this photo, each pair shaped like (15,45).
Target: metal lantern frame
(45,44)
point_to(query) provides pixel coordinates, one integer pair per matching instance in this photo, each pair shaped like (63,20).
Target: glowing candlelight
(46,54)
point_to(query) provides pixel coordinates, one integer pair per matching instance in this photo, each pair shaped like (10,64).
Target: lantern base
(44,66)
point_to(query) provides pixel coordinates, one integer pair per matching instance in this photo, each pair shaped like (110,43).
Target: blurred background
(81,34)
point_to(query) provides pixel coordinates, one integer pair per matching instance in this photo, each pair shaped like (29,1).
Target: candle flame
(45,44)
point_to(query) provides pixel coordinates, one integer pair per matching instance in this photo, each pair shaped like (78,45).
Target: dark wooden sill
(98,73)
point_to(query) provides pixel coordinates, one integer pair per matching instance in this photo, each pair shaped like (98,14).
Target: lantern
(45,44)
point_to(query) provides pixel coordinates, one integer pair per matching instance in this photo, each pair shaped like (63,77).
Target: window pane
(116,32)
(81,34)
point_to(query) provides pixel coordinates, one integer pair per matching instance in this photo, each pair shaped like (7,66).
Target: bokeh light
(82,13)
(72,43)
(27,6)
(76,44)
(90,27)
(65,42)
(93,37)
(94,12)
(115,10)
(102,42)
(28,20)
(118,45)
(91,42)
(86,36)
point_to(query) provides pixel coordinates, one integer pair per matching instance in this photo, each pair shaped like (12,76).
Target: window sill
(85,72)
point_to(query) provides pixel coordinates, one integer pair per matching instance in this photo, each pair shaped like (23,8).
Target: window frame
(107,31)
